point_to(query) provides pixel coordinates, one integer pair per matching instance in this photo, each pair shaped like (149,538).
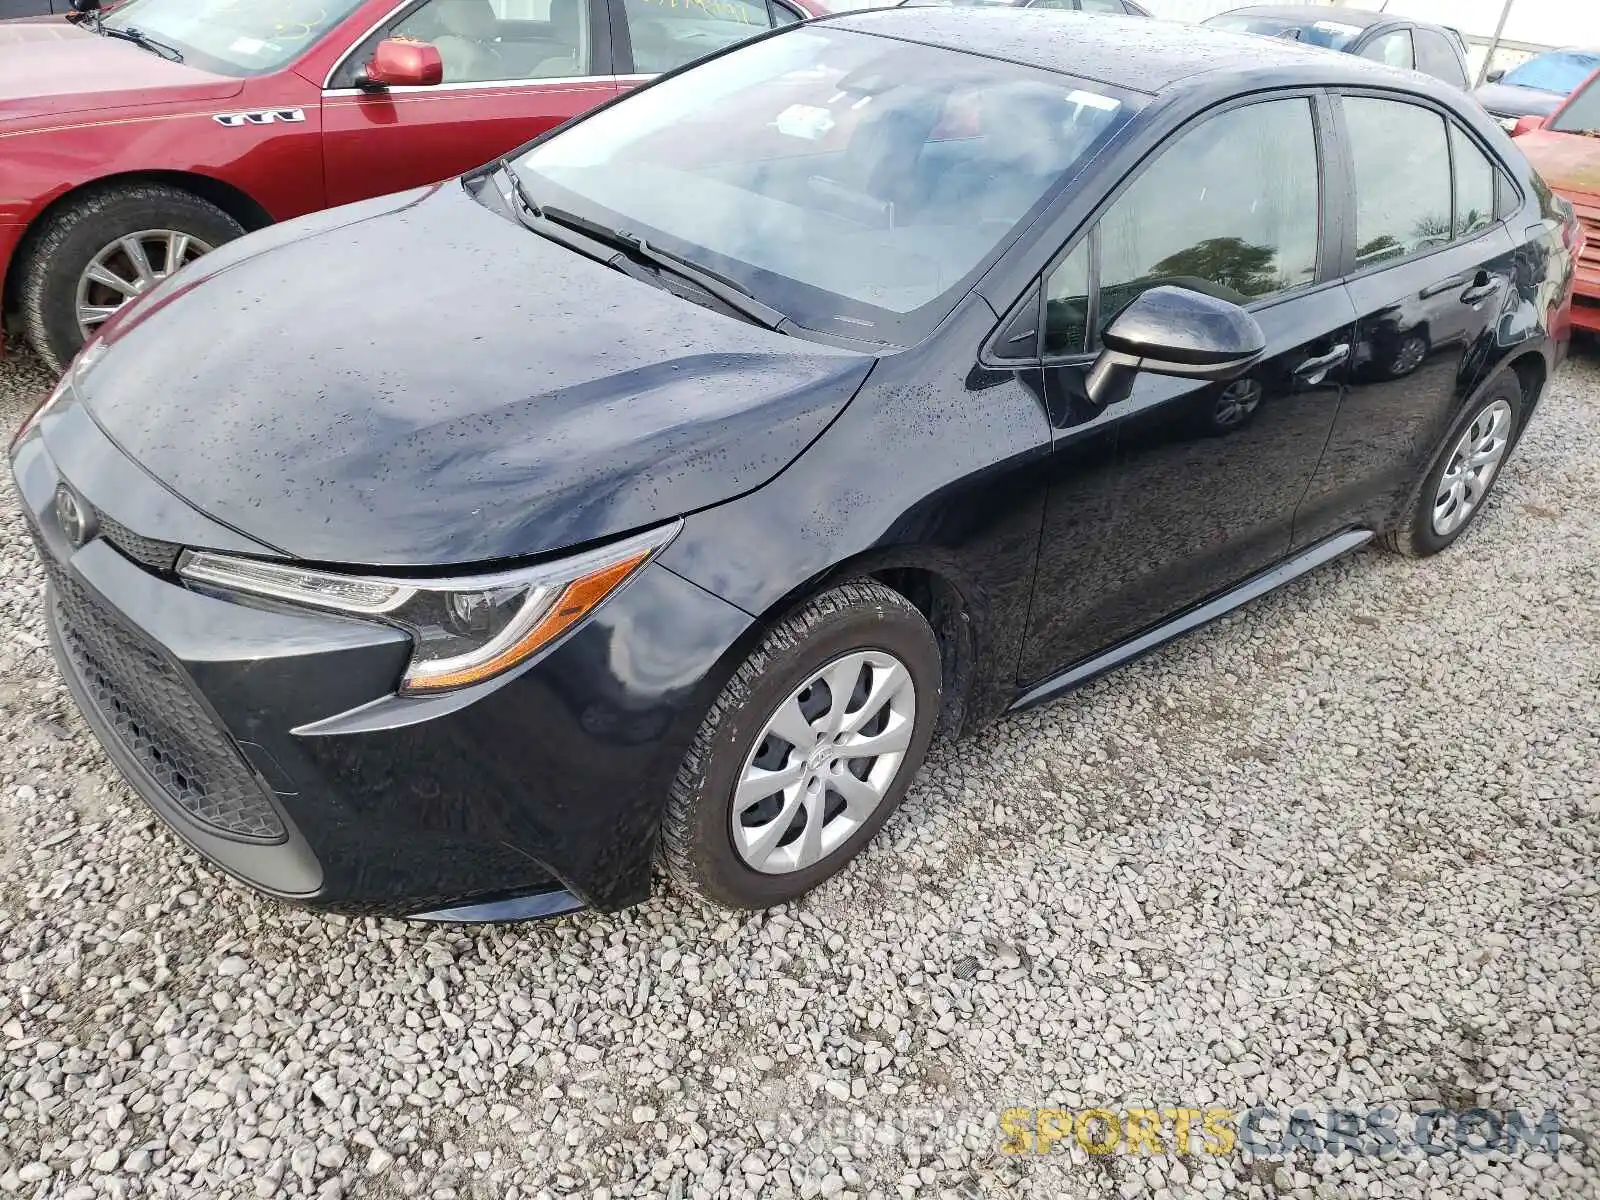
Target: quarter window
(1392,49)
(1402,177)
(666,34)
(1475,186)
(1066,305)
(484,41)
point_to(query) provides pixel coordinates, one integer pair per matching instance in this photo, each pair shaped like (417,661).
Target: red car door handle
(1313,370)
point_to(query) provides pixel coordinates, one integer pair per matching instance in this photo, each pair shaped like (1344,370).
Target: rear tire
(1458,484)
(726,840)
(82,231)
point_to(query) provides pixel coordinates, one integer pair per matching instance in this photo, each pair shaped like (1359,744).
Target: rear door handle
(1315,370)
(1443,286)
(1482,287)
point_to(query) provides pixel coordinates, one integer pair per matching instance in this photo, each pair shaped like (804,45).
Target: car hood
(418,381)
(1568,162)
(52,67)
(1508,100)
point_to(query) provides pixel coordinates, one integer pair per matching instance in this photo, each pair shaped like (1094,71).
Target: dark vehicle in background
(1565,149)
(658,495)
(1123,8)
(1435,50)
(1537,87)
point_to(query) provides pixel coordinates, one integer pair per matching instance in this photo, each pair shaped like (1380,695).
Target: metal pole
(1494,43)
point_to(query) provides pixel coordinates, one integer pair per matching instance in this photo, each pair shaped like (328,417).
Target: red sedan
(134,142)
(1565,149)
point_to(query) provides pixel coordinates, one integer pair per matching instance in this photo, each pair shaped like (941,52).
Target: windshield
(1332,35)
(1581,114)
(1558,73)
(852,182)
(233,37)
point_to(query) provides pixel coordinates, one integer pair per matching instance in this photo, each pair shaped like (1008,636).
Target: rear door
(1433,280)
(513,69)
(1205,478)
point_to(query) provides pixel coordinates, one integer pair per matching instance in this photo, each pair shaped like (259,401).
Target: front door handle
(1315,370)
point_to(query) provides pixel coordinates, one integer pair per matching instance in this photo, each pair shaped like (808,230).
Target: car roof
(1132,53)
(1313,12)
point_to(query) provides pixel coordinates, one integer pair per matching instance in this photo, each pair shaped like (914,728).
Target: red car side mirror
(404,64)
(1526,125)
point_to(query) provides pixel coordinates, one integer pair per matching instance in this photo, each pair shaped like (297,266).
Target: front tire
(105,248)
(809,748)
(1457,486)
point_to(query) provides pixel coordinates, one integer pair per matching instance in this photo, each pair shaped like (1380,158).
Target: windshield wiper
(722,289)
(129,34)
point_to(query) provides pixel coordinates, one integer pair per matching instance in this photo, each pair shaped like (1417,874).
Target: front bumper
(271,739)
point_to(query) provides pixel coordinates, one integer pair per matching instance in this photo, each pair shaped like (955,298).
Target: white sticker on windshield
(1335,27)
(804,121)
(1091,100)
(247,45)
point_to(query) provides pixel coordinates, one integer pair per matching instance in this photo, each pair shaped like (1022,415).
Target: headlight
(464,630)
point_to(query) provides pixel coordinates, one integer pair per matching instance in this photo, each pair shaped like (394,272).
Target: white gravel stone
(1337,850)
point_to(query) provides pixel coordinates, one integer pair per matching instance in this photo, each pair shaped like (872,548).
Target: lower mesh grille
(158,721)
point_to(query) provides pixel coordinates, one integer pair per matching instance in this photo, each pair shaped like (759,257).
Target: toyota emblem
(74,517)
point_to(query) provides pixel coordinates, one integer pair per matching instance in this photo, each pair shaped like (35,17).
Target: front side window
(1392,49)
(229,37)
(486,41)
(667,34)
(1402,177)
(1231,208)
(1580,114)
(855,183)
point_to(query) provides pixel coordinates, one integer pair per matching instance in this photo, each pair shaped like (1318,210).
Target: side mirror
(404,64)
(1527,125)
(1173,331)
(1495,76)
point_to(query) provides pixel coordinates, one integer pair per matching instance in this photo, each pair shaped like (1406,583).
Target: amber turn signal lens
(576,601)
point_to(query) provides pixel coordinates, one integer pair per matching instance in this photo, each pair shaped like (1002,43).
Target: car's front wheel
(809,748)
(102,250)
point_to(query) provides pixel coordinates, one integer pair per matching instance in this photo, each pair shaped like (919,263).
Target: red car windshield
(233,37)
(1581,114)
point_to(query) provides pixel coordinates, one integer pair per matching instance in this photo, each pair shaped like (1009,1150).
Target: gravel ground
(1337,851)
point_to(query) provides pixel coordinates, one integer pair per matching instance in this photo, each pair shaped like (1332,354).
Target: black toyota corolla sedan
(655,495)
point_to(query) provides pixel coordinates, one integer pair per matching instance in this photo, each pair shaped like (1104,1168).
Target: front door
(513,69)
(1205,478)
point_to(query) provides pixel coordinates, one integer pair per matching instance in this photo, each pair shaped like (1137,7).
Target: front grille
(1589,218)
(158,721)
(153,555)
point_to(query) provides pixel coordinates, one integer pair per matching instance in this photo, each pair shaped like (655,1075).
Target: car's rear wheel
(809,748)
(104,249)
(1457,486)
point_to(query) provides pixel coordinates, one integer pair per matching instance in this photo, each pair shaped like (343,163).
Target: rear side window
(1230,208)
(1392,49)
(1437,57)
(666,35)
(1402,168)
